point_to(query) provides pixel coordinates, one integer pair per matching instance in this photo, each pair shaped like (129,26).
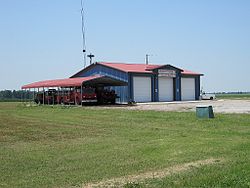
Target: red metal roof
(140,68)
(69,82)
(125,67)
(188,72)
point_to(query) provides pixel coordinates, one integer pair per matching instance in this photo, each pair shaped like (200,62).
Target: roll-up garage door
(142,89)
(166,89)
(187,89)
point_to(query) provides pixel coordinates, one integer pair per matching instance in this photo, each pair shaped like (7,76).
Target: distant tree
(15,94)
(7,94)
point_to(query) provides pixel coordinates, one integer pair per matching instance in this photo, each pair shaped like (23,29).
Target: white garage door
(187,89)
(142,89)
(166,89)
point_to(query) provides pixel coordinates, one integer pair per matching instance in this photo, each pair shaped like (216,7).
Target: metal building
(148,83)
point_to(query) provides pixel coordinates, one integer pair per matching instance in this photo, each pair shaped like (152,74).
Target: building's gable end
(98,69)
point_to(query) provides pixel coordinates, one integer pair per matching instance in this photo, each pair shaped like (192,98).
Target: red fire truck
(73,96)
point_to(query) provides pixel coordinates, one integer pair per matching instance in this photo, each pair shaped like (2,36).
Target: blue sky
(42,39)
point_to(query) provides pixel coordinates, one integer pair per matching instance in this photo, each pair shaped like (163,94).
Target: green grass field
(68,147)
(233,96)
(10,100)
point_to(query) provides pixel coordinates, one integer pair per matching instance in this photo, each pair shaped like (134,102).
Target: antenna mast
(147,59)
(83,34)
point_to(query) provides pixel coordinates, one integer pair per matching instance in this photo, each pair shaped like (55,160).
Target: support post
(81,94)
(38,102)
(22,96)
(43,96)
(75,97)
(53,98)
(48,94)
(33,94)
(57,94)
(63,94)
(25,97)
(69,95)
(29,97)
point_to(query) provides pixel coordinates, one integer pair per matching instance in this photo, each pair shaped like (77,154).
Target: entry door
(166,89)
(187,89)
(142,89)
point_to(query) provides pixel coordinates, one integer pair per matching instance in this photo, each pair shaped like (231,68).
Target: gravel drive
(219,106)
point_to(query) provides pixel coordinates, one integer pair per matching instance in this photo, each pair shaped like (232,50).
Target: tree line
(16,94)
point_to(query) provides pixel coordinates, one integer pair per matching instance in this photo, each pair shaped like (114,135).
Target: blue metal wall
(122,93)
(197,87)
(178,86)
(156,88)
(103,70)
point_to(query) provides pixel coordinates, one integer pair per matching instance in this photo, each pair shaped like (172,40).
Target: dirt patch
(120,182)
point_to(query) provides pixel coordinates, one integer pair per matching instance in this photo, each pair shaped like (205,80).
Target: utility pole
(90,56)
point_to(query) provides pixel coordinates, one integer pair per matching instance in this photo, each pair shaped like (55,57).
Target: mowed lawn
(67,147)
(233,96)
